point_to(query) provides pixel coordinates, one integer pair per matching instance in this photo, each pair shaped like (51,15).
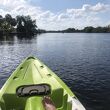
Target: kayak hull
(31,72)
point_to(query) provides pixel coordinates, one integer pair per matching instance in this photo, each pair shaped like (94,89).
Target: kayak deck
(32,71)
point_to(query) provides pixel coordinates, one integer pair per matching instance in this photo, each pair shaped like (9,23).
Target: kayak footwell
(33,72)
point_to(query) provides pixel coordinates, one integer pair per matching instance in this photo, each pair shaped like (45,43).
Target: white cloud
(100,7)
(46,19)
(86,9)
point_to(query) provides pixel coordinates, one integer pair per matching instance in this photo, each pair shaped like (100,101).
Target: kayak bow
(30,82)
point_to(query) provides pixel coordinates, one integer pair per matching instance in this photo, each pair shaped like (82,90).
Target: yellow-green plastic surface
(33,71)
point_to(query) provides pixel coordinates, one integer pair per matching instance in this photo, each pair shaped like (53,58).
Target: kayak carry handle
(33,90)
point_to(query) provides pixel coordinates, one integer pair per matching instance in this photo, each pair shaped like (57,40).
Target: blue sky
(60,14)
(58,5)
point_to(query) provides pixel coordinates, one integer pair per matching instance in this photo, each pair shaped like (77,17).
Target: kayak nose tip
(31,57)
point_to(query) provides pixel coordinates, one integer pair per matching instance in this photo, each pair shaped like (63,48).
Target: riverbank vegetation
(18,25)
(26,26)
(88,29)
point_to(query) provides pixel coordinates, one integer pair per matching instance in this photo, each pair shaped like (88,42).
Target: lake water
(81,60)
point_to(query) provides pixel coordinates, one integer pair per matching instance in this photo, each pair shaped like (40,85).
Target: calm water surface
(81,60)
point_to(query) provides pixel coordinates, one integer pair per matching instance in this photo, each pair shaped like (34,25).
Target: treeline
(25,25)
(88,29)
(19,24)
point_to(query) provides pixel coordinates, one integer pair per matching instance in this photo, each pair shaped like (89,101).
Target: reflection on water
(81,60)
(13,39)
(7,40)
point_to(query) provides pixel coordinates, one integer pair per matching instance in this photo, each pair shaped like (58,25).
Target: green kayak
(30,83)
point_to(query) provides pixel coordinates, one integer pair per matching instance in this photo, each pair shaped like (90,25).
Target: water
(81,60)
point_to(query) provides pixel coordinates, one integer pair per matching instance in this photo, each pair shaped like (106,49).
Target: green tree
(69,30)
(1,21)
(88,29)
(26,25)
(108,27)
(8,18)
(13,22)
(7,23)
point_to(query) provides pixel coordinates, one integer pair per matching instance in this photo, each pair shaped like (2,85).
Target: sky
(60,14)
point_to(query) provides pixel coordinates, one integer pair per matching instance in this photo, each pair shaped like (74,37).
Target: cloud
(100,7)
(86,9)
(46,19)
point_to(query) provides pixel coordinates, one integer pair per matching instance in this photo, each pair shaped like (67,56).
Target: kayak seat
(34,103)
(2,105)
(69,106)
(57,97)
(9,102)
(65,98)
(64,105)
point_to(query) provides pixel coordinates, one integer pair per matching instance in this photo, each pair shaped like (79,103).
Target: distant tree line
(25,25)
(19,24)
(89,29)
